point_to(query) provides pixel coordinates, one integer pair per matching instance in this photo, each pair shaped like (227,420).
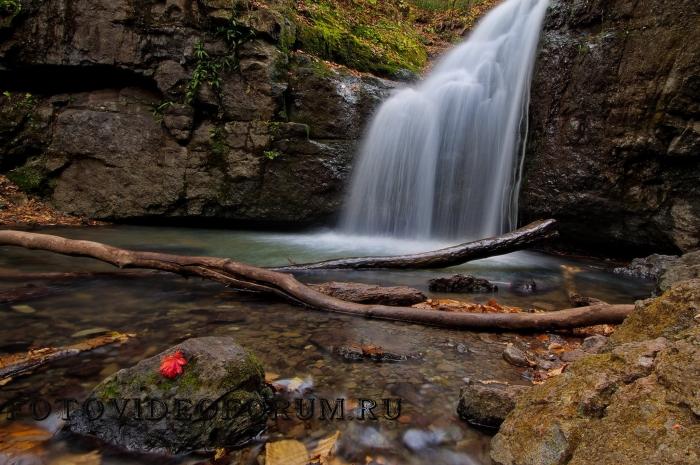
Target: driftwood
(22,364)
(251,278)
(519,239)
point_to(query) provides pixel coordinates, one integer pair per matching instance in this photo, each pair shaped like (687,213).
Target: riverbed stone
(218,401)
(651,267)
(487,404)
(635,402)
(461,283)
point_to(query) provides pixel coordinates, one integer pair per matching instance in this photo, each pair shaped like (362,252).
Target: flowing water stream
(441,159)
(290,341)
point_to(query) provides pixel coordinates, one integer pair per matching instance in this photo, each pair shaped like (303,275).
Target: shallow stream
(290,341)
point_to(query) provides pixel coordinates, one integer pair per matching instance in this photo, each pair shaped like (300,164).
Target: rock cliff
(180,109)
(614,139)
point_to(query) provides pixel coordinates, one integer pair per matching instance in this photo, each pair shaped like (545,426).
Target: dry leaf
(17,437)
(286,452)
(325,448)
(89,458)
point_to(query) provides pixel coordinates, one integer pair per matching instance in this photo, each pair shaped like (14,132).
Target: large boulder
(614,140)
(486,405)
(635,402)
(218,401)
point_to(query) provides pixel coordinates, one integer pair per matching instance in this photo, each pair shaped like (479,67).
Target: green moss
(28,178)
(662,317)
(8,10)
(354,38)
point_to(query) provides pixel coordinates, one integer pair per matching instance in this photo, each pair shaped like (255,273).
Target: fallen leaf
(26,309)
(286,452)
(324,449)
(270,377)
(89,458)
(17,438)
(171,365)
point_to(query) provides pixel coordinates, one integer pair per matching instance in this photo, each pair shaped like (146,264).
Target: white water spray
(442,159)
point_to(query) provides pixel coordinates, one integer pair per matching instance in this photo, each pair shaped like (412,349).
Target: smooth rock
(217,370)
(517,357)
(461,283)
(487,405)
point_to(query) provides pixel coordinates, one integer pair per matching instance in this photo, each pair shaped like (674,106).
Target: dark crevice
(56,79)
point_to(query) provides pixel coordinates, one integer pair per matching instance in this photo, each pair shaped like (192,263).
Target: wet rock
(221,395)
(593,344)
(523,287)
(685,267)
(608,165)
(461,283)
(651,267)
(517,357)
(371,294)
(635,402)
(487,405)
(578,300)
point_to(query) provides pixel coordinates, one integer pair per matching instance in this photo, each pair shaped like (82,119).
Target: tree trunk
(519,239)
(247,277)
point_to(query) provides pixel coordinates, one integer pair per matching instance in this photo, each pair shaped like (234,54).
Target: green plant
(272,154)
(207,70)
(159,109)
(8,10)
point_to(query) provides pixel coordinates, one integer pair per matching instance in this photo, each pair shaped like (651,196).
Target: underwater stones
(217,401)
(371,294)
(461,283)
(487,405)
(517,357)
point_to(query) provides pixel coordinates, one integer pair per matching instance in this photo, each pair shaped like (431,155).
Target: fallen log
(519,239)
(286,286)
(14,365)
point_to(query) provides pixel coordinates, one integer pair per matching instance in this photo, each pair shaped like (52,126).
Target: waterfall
(442,159)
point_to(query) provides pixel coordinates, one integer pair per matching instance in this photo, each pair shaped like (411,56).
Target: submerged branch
(22,364)
(286,286)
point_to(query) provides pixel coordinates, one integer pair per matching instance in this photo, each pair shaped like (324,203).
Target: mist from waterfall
(441,160)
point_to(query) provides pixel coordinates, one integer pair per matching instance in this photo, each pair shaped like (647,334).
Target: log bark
(286,286)
(15,365)
(519,239)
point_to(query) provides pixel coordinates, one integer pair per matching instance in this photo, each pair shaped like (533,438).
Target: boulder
(487,405)
(217,401)
(686,267)
(651,267)
(634,402)
(461,283)
(372,294)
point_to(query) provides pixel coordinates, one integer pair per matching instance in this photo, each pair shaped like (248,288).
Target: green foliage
(217,142)
(442,5)
(28,178)
(208,69)
(160,109)
(272,154)
(8,10)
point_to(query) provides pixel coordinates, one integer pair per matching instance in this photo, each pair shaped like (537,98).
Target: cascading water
(441,160)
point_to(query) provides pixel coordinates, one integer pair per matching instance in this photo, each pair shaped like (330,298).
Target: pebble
(516,357)
(25,309)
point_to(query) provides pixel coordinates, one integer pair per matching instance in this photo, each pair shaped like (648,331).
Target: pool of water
(290,341)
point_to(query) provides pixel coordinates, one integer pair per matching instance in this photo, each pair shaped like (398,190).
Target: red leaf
(171,365)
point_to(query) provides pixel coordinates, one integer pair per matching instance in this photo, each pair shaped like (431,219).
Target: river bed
(291,342)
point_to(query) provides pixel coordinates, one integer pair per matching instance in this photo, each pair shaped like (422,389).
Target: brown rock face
(141,110)
(614,141)
(634,402)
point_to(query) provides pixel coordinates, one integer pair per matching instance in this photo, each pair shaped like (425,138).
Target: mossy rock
(636,403)
(218,401)
(665,316)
